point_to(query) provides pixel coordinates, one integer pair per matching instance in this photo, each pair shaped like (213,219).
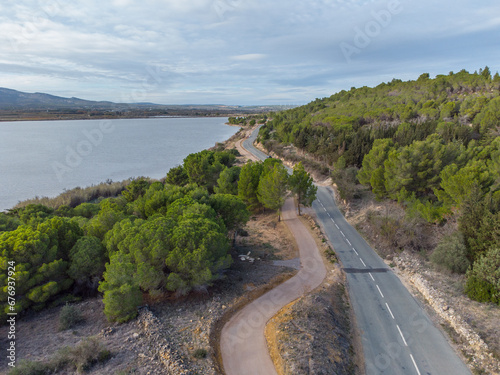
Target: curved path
(243,344)
(398,336)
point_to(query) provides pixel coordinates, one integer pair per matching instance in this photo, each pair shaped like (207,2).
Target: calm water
(42,158)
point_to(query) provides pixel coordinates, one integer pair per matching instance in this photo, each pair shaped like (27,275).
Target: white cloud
(235,50)
(249,57)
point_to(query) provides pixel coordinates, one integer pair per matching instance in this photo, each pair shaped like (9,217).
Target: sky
(237,52)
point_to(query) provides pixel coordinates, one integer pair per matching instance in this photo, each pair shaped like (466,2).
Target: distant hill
(17,100)
(13,99)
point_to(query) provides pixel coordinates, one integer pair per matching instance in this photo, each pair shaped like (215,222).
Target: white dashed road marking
(380,291)
(369,272)
(357,253)
(414,364)
(388,308)
(401,333)
(362,262)
(350,244)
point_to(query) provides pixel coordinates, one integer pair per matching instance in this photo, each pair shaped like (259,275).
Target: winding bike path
(243,343)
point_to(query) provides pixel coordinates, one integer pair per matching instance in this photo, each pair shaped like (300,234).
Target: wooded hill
(433,145)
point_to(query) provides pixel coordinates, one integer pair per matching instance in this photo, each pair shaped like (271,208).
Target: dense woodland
(153,239)
(432,145)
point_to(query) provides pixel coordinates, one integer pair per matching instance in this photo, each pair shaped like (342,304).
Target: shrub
(200,353)
(31,368)
(80,358)
(451,253)
(479,289)
(483,282)
(69,317)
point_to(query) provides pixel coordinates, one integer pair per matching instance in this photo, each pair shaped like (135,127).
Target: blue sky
(237,51)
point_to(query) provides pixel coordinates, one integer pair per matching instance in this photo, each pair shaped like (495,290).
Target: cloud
(249,57)
(236,51)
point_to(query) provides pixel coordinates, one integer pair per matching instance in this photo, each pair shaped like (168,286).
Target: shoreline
(2,120)
(105,183)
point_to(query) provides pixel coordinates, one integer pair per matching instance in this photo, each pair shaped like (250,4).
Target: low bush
(451,253)
(200,353)
(479,290)
(80,359)
(69,317)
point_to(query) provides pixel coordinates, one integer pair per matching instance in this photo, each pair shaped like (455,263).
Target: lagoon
(43,158)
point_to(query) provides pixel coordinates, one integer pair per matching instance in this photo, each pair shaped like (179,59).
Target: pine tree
(272,189)
(302,185)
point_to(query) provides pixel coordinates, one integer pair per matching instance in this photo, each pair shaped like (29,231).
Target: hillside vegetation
(153,239)
(432,145)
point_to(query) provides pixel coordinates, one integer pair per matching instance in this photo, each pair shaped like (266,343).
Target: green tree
(8,222)
(248,184)
(109,214)
(228,181)
(457,183)
(417,167)
(489,117)
(204,168)
(302,185)
(483,283)
(232,210)
(272,190)
(177,176)
(136,189)
(372,172)
(34,214)
(199,255)
(122,295)
(40,275)
(88,258)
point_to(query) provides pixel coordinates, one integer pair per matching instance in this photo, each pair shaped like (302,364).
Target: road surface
(243,343)
(397,335)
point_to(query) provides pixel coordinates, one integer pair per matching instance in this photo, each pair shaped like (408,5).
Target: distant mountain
(17,100)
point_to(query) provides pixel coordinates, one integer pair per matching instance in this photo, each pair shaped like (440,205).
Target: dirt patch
(267,239)
(274,336)
(38,338)
(312,336)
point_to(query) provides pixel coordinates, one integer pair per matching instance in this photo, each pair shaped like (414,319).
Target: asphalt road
(397,335)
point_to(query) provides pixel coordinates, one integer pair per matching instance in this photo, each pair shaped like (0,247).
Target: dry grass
(79,195)
(268,239)
(273,336)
